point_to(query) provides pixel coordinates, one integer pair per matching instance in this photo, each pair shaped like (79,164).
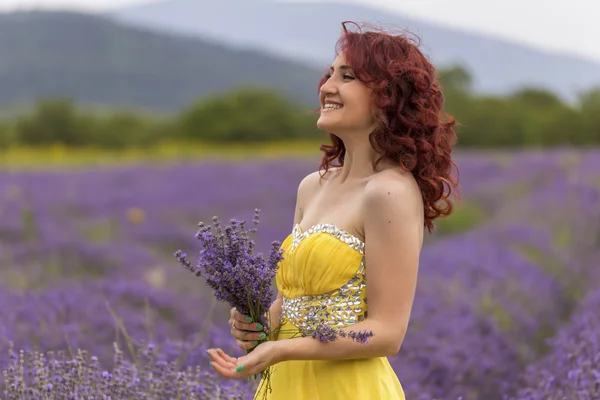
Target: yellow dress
(322,278)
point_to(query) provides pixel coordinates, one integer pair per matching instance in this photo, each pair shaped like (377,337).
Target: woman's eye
(328,76)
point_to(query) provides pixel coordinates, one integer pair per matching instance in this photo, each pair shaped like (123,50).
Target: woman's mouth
(332,106)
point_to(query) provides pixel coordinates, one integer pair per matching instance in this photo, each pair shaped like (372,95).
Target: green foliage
(464,217)
(123,129)
(53,121)
(590,109)
(59,122)
(5,139)
(536,98)
(455,79)
(247,115)
(29,224)
(530,117)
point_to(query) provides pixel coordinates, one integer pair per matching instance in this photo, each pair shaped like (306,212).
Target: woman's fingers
(245,322)
(226,356)
(248,326)
(246,344)
(240,322)
(223,360)
(247,334)
(251,338)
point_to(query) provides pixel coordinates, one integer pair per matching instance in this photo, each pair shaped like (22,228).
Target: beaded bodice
(322,277)
(331,229)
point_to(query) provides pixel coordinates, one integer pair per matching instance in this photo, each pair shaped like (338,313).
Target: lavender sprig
(328,333)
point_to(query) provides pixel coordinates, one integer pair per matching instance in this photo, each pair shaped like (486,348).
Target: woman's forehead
(339,60)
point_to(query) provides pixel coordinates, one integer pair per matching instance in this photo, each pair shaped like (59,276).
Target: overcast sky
(564,25)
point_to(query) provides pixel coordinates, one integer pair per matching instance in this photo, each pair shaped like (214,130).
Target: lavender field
(506,307)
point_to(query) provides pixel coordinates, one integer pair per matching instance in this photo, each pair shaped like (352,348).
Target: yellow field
(60,156)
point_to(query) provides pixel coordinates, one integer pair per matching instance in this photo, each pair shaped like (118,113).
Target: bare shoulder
(312,182)
(389,184)
(394,199)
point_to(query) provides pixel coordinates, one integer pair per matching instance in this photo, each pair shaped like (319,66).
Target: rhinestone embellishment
(346,237)
(338,308)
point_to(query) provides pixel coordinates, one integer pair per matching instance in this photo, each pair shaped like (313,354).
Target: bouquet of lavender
(228,264)
(245,280)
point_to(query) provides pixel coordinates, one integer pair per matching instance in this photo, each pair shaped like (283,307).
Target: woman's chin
(326,124)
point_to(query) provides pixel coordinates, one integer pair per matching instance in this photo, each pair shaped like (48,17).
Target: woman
(358,227)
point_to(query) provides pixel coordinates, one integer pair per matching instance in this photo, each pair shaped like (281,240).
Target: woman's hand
(259,359)
(247,333)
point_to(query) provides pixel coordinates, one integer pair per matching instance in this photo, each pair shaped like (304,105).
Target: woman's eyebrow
(342,67)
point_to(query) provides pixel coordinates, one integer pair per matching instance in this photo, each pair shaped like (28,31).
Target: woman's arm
(393,224)
(275,313)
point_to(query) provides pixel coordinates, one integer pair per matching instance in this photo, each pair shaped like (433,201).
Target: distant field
(59,156)
(19,158)
(504,272)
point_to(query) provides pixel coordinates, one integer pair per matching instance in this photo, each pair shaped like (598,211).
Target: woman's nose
(328,87)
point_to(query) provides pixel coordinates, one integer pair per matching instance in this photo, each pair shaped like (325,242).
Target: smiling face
(345,102)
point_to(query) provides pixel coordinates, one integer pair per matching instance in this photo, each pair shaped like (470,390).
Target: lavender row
(487,300)
(476,340)
(479,306)
(33,375)
(571,370)
(93,315)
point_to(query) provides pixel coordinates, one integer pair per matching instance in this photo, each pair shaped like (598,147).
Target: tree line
(525,118)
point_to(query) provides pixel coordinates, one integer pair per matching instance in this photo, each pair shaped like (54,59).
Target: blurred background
(123,124)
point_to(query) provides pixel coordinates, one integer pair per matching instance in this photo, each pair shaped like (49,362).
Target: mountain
(308,31)
(98,61)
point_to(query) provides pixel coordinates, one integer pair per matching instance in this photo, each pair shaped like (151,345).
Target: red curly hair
(408,100)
